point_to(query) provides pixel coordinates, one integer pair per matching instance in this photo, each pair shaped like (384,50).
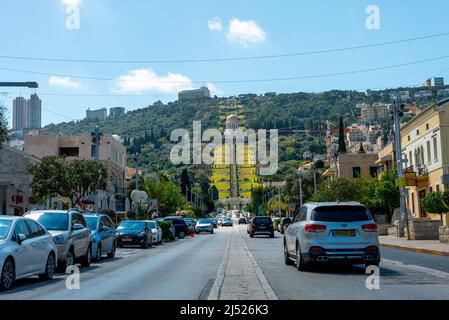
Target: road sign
(410,178)
(400,182)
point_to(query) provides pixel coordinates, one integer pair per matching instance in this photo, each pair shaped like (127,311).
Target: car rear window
(262,220)
(340,214)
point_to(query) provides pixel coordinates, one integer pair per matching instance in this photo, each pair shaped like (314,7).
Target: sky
(153,36)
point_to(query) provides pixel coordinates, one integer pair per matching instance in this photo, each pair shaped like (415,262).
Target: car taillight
(314,228)
(253,225)
(372,248)
(372,227)
(316,249)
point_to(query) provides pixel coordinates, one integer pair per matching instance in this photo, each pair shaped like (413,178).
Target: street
(230,265)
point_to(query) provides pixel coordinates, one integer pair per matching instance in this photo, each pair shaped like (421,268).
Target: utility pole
(398,111)
(96,137)
(279,200)
(137,171)
(300,187)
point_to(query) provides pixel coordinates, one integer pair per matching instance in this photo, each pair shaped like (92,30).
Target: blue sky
(174,30)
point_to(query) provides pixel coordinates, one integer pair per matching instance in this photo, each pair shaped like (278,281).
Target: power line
(286,55)
(237,81)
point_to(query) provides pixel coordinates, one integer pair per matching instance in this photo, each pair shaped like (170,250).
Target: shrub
(165,226)
(276,222)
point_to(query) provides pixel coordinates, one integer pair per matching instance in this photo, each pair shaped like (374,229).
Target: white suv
(332,232)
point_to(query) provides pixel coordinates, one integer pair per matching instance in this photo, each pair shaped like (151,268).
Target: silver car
(332,232)
(156,231)
(26,249)
(70,233)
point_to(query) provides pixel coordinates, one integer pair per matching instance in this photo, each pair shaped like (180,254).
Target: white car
(26,249)
(156,231)
(332,232)
(204,225)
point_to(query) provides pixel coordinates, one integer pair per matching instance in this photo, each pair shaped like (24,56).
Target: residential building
(15,181)
(100,114)
(423,94)
(27,114)
(71,148)
(425,151)
(374,112)
(116,112)
(401,96)
(202,92)
(434,82)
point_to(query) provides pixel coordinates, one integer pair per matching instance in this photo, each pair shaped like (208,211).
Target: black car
(181,227)
(134,232)
(261,225)
(242,221)
(285,222)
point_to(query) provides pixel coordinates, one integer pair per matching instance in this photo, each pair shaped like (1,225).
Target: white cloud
(214,91)
(146,80)
(215,24)
(64,82)
(71,2)
(245,32)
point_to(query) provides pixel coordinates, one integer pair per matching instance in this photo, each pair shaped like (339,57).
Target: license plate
(344,233)
(127,239)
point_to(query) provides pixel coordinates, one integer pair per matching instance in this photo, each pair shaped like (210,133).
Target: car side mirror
(21,238)
(287,221)
(77,226)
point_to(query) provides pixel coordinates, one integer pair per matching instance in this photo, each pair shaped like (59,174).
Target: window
(427,126)
(437,187)
(340,214)
(69,152)
(373,172)
(429,152)
(435,148)
(92,151)
(21,228)
(408,138)
(78,219)
(430,189)
(417,132)
(410,157)
(34,228)
(356,172)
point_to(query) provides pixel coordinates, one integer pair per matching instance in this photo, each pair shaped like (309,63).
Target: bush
(165,226)
(276,222)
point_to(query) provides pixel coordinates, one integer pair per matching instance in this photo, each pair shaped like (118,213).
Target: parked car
(134,232)
(70,233)
(156,231)
(26,249)
(261,225)
(219,222)
(227,222)
(332,232)
(181,227)
(242,221)
(104,235)
(214,222)
(204,225)
(285,222)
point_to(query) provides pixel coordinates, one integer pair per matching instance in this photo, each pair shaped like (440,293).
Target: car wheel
(49,268)
(8,276)
(112,253)
(98,253)
(182,235)
(287,259)
(251,235)
(299,262)
(69,261)
(272,235)
(85,261)
(212,231)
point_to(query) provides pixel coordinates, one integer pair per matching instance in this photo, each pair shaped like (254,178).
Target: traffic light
(318,164)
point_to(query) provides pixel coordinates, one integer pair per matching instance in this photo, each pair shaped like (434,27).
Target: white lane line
(271,295)
(430,271)
(215,291)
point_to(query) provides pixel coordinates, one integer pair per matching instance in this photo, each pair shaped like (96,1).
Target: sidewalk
(425,246)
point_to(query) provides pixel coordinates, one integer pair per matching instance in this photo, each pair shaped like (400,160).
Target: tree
(185,183)
(341,137)
(387,194)
(3,126)
(85,177)
(434,203)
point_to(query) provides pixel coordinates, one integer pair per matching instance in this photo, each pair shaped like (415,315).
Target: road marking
(433,272)
(215,291)
(271,295)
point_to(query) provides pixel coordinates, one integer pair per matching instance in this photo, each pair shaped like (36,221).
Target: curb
(419,250)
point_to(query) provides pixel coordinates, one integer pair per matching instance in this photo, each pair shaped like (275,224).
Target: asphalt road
(188,269)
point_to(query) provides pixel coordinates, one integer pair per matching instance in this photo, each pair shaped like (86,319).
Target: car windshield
(340,214)
(54,221)
(262,220)
(204,221)
(4,228)
(152,224)
(131,225)
(91,222)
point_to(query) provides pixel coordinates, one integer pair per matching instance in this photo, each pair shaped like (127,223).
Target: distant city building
(423,94)
(374,112)
(202,92)
(116,112)
(27,114)
(100,114)
(401,96)
(434,82)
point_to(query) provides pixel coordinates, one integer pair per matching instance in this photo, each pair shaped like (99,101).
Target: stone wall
(425,229)
(444,234)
